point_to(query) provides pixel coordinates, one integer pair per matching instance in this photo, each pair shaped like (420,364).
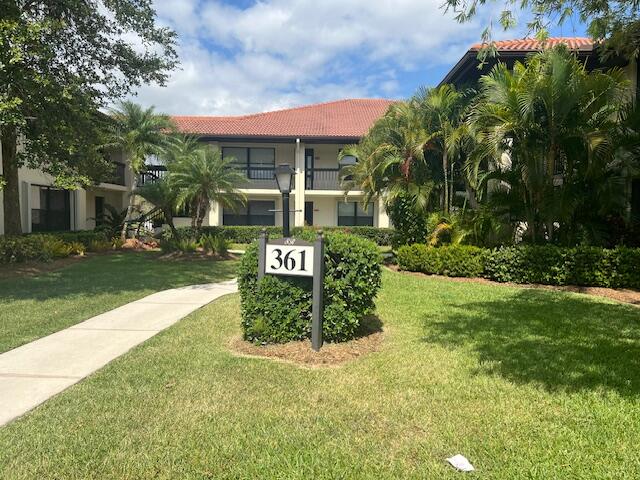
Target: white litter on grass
(461,463)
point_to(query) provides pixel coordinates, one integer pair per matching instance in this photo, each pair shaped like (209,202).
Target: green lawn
(525,383)
(32,307)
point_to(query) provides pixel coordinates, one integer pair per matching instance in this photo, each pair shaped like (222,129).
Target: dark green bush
(278,308)
(542,264)
(247,234)
(410,225)
(626,261)
(380,236)
(22,248)
(453,261)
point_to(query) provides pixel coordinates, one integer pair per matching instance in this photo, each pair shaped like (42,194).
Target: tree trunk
(471,195)
(11,191)
(134,185)
(445,168)
(169,218)
(194,213)
(201,211)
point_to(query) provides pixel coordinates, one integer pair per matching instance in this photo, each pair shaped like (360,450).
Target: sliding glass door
(50,209)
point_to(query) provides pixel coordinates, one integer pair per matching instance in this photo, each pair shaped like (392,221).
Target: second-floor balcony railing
(152,174)
(258,177)
(261,177)
(322,179)
(117,177)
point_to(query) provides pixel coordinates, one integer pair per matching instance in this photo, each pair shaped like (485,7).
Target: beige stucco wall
(82,201)
(325,211)
(325,202)
(325,155)
(115,198)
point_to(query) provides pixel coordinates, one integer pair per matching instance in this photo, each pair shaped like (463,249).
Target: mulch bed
(623,295)
(301,354)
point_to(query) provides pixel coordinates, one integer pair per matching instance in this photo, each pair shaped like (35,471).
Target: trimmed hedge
(453,261)
(542,264)
(249,233)
(278,309)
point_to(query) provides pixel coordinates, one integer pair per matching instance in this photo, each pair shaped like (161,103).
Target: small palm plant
(202,177)
(138,133)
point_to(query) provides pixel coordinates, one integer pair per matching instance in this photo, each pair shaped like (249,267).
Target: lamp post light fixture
(284,179)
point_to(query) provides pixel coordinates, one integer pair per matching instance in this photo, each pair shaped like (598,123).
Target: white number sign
(289,260)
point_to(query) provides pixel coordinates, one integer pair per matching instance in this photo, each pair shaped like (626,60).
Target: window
(50,209)
(352,214)
(255,212)
(258,162)
(238,155)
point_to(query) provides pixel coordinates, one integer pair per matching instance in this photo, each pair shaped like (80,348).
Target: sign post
(293,257)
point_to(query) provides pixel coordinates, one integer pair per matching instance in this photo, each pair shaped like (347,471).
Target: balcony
(152,174)
(258,177)
(261,177)
(118,175)
(322,179)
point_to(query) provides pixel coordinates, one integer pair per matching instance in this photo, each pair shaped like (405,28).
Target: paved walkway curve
(33,373)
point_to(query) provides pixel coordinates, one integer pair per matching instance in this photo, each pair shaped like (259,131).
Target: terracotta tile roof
(350,118)
(533,45)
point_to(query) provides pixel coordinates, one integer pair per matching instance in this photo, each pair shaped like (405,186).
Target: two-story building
(466,73)
(308,139)
(46,208)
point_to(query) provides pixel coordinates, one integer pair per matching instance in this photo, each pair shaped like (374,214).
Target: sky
(248,56)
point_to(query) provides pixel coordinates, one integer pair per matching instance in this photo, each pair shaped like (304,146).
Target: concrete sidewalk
(34,372)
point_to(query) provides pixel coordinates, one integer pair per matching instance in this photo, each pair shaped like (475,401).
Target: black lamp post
(284,179)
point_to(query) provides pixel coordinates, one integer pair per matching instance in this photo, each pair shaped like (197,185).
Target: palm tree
(164,198)
(391,159)
(556,123)
(442,110)
(138,133)
(201,176)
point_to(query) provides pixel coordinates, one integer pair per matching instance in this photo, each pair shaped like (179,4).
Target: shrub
(626,262)
(100,245)
(419,258)
(82,236)
(410,224)
(250,233)
(461,261)
(214,244)
(207,242)
(21,248)
(454,261)
(77,248)
(380,236)
(185,245)
(54,247)
(278,309)
(542,264)
(46,247)
(221,245)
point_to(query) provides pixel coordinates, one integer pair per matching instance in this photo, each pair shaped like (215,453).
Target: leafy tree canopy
(60,62)
(618,23)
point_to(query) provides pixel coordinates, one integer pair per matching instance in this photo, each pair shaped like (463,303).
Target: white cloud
(279,53)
